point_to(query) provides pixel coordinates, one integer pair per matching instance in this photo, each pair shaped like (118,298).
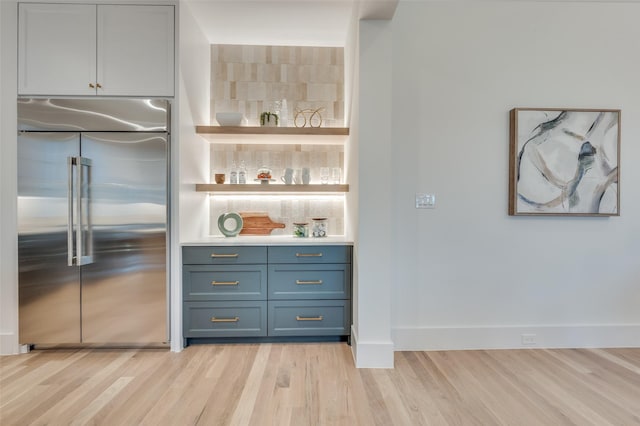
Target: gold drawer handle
(224,255)
(299,318)
(225,282)
(234,319)
(308,282)
(308,254)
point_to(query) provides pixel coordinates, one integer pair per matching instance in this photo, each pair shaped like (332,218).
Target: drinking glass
(336,175)
(324,175)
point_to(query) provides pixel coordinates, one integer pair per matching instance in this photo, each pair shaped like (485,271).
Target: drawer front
(310,254)
(225,319)
(224,282)
(309,318)
(324,281)
(223,255)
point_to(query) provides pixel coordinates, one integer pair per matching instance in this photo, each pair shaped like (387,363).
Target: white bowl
(229,118)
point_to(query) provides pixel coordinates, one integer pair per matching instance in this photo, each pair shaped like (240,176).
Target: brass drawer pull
(308,254)
(234,319)
(225,282)
(308,282)
(299,318)
(224,255)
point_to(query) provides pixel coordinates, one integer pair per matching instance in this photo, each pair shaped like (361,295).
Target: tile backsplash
(248,79)
(285,210)
(276,157)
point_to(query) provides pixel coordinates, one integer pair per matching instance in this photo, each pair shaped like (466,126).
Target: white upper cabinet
(104,50)
(135,46)
(56,49)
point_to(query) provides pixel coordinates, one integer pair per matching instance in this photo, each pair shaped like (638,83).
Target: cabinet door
(135,50)
(56,49)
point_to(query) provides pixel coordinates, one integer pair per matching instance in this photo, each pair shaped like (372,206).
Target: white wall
(373,249)
(191,163)
(8,176)
(467,275)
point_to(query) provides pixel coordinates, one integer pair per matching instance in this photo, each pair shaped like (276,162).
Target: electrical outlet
(529,339)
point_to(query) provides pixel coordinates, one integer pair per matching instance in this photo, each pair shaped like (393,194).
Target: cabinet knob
(92,86)
(99,86)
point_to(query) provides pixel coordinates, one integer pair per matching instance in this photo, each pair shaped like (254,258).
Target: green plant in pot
(269,119)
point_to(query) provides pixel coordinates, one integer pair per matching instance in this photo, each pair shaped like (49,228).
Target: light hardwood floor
(317,384)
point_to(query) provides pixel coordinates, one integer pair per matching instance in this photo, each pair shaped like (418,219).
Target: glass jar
(301,229)
(319,227)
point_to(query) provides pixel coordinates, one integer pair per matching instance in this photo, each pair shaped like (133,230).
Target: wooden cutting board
(258,223)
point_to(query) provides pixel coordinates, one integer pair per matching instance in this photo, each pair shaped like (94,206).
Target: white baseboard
(9,344)
(371,354)
(516,337)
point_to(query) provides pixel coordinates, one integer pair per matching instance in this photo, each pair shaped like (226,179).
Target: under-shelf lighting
(272,197)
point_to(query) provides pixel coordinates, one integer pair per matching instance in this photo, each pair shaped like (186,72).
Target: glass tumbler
(324,175)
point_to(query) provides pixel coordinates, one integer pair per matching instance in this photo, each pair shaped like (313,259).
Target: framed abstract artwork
(564,162)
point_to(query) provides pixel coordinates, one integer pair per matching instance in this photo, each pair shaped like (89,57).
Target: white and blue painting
(565,162)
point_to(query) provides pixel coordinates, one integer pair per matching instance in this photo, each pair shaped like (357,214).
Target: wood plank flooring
(317,384)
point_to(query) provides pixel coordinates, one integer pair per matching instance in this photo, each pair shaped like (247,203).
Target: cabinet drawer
(225,319)
(223,255)
(324,281)
(309,318)
(310,254)
(224,282)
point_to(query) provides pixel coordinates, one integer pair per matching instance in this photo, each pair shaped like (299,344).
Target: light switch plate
(425,201)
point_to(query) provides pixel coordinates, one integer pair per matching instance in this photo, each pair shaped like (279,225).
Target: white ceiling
(284,22)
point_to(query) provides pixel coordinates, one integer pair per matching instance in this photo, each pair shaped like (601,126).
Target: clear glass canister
(301,229)
(319,227)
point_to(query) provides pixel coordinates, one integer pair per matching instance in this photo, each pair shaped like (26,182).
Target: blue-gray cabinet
(264,292)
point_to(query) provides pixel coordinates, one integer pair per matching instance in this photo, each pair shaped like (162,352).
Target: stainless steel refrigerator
(92,221)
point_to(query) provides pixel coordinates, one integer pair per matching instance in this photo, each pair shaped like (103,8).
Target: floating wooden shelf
(276,188)
(246,130)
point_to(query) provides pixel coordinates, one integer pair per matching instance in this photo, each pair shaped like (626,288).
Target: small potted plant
(269,119)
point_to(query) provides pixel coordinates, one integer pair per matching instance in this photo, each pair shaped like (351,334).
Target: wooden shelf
(275,188)
(246,130)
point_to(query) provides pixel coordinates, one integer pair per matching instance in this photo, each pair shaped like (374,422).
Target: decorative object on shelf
(220,178)
(306,176)
(309,116)
(279,108)
(336,175)
(230,224)
(264,173)
(269,119)
(242,173)
(564,162)
(258,223)
(297,177)
(319,227)
(233,173)
(324,175)
(264,181)
(301,229)
(287,178)
(264,176)
(229,118)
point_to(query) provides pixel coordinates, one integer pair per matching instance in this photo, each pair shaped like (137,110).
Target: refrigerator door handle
(70,247)
(84,246)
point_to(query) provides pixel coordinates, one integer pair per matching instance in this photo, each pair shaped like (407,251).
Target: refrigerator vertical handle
(70,247)
(84,239)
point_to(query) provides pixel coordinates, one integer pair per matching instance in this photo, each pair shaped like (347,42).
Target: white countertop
(271,240)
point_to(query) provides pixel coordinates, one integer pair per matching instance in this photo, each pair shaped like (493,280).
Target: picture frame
(564,162)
